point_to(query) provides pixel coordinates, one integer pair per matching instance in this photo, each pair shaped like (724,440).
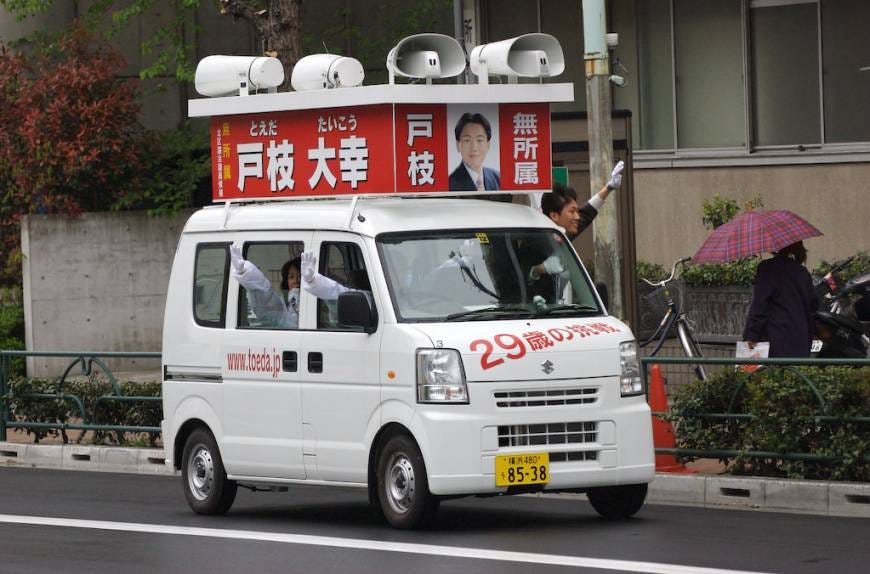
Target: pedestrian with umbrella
(783,299)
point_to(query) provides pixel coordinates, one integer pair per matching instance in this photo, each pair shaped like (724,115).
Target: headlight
(440,377)
(630,383)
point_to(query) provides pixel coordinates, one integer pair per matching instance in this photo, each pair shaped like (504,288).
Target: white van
(456,365)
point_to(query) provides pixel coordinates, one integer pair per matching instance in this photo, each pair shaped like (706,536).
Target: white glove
(236,259)
(616,176)
(308,266)
(553,265)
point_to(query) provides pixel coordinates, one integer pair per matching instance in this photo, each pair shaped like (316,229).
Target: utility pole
(598,107)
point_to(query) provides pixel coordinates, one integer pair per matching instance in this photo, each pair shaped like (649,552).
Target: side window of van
(344,263)
(272,301)
(210,276)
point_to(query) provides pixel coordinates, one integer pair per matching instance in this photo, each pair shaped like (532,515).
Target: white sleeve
(251,278)
(324,288)
(596,202)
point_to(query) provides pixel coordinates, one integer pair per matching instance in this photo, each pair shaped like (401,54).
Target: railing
(775,365)
(87,361)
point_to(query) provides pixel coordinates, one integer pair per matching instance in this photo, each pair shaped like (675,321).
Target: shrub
(859,265)
(105,412)
(741,272)
(12,336)
(651,271)
(784,409)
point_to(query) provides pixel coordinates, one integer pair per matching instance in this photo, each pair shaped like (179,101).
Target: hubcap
(200,472)
(400,484)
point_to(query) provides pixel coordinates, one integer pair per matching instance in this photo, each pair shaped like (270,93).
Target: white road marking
(374,545)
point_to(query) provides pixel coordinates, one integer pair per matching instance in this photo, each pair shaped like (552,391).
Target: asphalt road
(61,521)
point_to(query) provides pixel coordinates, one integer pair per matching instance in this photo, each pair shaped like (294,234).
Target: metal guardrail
(777,365)
(87,361)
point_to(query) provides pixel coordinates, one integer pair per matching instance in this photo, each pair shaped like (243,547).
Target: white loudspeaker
(528,56)
(320,71)
(426,56)
(229,75)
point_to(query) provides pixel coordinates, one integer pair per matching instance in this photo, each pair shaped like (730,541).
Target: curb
(850,499)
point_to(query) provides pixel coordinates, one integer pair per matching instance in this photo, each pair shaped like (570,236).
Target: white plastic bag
(743,351)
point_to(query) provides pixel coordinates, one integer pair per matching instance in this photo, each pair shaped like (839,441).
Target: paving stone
(119,459)
(80,457)
(734,492)
(151,461)
(677,489)
(805,496)
(849,499)
(12,454)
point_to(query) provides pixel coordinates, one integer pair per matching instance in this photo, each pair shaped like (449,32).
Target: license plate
(517,469)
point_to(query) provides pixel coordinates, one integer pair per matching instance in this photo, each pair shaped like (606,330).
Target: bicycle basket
(653,304)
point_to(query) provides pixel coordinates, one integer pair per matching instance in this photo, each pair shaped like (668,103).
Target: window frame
(222,322)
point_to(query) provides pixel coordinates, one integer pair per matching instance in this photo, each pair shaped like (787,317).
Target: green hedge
(785,408)
(12,335)
(111,412)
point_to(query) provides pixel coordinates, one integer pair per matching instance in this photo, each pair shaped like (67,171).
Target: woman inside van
(276,309)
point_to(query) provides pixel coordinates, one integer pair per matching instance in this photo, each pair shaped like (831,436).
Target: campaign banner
(382,148)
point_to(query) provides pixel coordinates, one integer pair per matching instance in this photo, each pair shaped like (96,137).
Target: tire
(617,502)
(402,487)
(206,486)
(691,348)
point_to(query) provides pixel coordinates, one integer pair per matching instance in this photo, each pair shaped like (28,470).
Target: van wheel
(206,486)
(403,489)
(616,502)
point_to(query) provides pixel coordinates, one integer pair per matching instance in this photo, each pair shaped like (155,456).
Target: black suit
(460,179)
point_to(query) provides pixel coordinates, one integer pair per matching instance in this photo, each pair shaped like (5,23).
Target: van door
(341,393)
(262,399)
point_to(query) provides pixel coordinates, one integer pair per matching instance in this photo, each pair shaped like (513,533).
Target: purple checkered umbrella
(752,233)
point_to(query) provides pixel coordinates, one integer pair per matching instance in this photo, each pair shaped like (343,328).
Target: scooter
(843,322)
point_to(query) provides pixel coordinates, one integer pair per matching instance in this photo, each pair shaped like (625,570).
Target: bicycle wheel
(690,347)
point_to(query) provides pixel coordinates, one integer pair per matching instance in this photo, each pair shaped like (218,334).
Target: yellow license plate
(517,469)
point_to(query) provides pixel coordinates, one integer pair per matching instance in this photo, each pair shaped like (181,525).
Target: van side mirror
(603,293)
(355,310)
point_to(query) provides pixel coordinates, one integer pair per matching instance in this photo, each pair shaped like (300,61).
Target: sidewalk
(706,487)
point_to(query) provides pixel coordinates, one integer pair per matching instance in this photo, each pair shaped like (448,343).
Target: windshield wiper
(498,311)
(567,308)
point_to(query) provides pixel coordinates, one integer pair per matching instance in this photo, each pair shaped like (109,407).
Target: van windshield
(485,275)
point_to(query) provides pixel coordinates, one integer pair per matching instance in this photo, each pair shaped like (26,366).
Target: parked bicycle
(675,318)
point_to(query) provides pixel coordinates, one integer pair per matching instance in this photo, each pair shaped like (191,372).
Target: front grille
(546,398)
(547,434)
(573,456)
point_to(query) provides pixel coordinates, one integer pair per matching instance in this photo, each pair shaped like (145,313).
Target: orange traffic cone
(663,431)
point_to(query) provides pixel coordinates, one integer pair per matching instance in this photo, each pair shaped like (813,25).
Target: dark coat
(587,214)
(460,179)
(783,301)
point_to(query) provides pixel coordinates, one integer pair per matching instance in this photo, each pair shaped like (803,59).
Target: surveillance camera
(618,81)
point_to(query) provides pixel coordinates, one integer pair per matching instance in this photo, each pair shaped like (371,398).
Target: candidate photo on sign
(474,141)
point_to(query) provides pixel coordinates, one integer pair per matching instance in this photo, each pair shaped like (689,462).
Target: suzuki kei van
(470,355)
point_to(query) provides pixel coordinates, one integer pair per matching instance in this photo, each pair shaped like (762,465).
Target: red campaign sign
(335,151)
(524,131)
(342,151)
(421,141)
(532,341)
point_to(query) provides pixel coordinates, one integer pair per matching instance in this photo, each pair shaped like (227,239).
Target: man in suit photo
(473,134)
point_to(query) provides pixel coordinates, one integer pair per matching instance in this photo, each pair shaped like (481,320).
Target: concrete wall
(96,283)
(833,197)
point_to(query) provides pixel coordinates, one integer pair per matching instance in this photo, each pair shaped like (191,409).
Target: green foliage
(60,408)
(740,273)
(174,165)
(12,336)
(651,271)
(719,210)
(859,265)
(785,409)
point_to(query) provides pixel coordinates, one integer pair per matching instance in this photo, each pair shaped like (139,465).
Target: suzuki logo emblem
(547,367)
